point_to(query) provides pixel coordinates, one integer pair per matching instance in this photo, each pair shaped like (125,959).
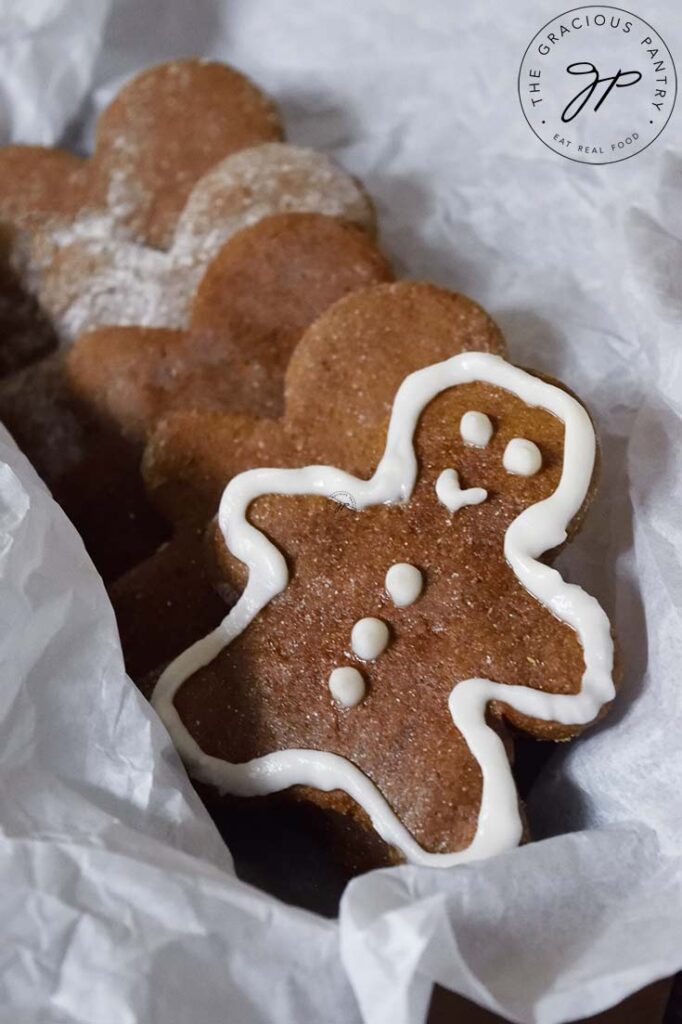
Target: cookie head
(146,159)
(380,642)
(89,274)
(165,130)
(339,387)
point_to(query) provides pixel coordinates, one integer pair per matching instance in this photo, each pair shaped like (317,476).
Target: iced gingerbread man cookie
(397,607)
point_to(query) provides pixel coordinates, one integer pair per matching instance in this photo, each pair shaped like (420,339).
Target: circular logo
(597,84)
(344,499)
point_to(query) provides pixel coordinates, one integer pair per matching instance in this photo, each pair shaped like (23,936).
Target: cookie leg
(166,603)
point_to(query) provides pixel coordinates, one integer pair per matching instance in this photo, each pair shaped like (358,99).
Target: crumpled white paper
(117,896)
(48,49)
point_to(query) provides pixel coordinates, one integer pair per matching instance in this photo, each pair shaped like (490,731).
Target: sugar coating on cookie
(261,181)
(347,686)
(164,130)
(124,237)
(86,276)
(522,457)
(369,638)
(404,584)
(476,428)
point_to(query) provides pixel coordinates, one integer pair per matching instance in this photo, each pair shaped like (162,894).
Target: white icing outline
(537,529)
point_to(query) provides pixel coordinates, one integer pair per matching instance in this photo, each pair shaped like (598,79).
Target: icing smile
(451,494)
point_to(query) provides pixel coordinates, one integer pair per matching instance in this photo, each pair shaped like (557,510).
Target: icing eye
(369,638)
(521,457)
(347,686)
(476,429)
(404,584)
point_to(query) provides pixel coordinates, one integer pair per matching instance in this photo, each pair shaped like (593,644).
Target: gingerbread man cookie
(267,284)
(392,618)
(133,187)
(166,128)
(125,237)
(361,340)
(82,417)
(90,280)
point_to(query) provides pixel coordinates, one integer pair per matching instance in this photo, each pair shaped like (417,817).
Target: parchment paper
(117,897)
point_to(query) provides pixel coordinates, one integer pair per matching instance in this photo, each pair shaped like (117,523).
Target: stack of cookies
(323,502)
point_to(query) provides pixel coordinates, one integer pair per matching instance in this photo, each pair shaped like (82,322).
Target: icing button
(404,584)
(369,638)
(347,686)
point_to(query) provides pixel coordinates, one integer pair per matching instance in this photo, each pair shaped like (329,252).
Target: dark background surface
(261,841)
(652,1005)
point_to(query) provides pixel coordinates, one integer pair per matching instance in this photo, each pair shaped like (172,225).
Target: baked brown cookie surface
(339,387)
(267,284)
(26,333)
(191,456)
(92,470)
(125,236)
(395,606)
(82,416)
(131,190)
(166,128)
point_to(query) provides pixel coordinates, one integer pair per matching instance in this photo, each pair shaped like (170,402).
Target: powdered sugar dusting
(126,196)
(91,272)
(258,182)
(96,283)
